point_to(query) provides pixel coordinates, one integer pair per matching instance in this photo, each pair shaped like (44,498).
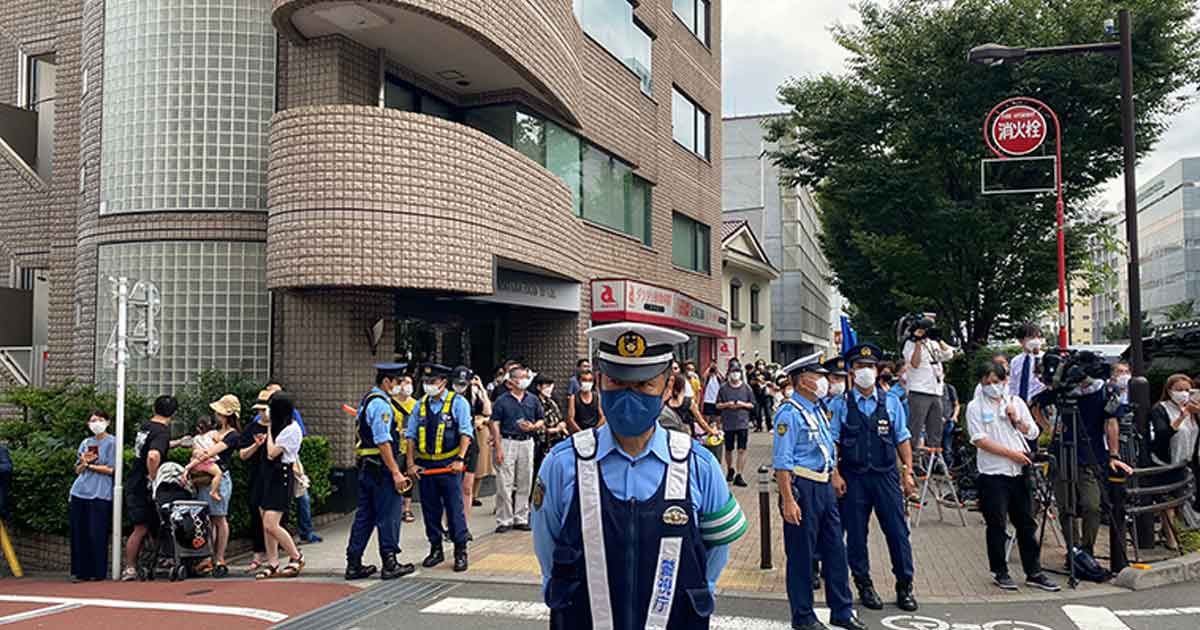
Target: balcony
(382,198)
(476,50)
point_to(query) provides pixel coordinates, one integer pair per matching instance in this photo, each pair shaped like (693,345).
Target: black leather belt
(514,436)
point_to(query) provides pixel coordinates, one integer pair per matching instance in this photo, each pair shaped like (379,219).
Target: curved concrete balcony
(372,197)
(471,48)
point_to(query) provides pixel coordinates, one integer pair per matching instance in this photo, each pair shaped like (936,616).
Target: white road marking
(1094,618)
(34,614)
(1159,612)
(537,611)
(237,611)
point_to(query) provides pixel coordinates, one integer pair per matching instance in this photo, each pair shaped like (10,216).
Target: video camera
(1063,370)
(916,326)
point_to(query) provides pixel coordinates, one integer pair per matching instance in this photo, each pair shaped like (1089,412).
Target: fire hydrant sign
(1018,130)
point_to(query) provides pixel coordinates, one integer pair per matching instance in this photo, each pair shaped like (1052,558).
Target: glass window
(754,293)
(735,300)
(530,137)
(689,123)
(563,159)
(639,61)
(637,207)
(603,190)
(694,15)
(611,24)
(497,121)
(435,106)
(690,243)
(398,95)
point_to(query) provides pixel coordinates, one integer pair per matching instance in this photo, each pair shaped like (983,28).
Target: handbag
(300,487)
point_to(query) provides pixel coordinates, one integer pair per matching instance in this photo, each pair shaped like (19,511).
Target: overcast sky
(768,41)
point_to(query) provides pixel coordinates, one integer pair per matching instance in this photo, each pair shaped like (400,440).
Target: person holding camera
(924,387)
(1000,427)
(1097,452)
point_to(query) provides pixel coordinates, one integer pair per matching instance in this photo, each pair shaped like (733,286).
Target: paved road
(503,607)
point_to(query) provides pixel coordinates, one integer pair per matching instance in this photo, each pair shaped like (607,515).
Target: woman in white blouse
(283,452)
(1174,439)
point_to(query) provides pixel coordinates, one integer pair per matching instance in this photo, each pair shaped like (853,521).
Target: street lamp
(996,54)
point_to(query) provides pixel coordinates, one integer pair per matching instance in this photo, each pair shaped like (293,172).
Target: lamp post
(995,54)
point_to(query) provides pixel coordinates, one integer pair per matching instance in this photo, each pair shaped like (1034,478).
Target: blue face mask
(630,412)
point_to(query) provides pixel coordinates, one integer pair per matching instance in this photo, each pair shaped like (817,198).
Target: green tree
(892,149)
(1182,311)
(1118,330)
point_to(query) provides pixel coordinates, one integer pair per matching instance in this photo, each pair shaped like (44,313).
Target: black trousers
(1001,499)
(91,524)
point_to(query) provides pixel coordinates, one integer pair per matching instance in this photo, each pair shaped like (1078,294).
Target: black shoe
(503,529)
(460,558)
(476,503)
(1005,582)
(729,476)
(815,625)
(853,623)
(904,597)
(435,557)
(739,482)
(869,598)
(470,538)
(393,569)
(356,570)
(1039,580)
(523,527)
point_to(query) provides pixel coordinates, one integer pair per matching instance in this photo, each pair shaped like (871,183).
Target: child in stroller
(184,534)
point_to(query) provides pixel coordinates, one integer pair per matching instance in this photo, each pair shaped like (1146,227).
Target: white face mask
(837,389)
(822,387)
(691,373)
(864,377)
(1123,381)
(995,391)
(461,388)
(1033,345)
(432,390)
(735,377)
(98,426)
(1180,397)
(547,390)
(524,383)
(396,389)
(405,390)
(585,386)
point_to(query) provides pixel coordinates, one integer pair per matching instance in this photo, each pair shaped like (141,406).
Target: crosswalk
(1079,617)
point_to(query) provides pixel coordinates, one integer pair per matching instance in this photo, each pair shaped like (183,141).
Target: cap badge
(866,352)
(781,429)
(631,344)
(428,370)
(821,358)
(675,516)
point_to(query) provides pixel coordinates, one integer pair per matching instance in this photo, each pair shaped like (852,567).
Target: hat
(391,370)
(734,364)
(836,366)
(434,370)
(632,352)
(810,363)
(263,401)
(461,374)
(542,379)
(864,353)
(228,405)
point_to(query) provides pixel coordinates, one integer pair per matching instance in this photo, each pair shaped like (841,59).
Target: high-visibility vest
(437,436)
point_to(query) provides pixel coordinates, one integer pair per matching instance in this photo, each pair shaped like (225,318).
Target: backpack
(1086,567)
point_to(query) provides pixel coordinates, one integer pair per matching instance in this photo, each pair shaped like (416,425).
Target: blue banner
(849,336)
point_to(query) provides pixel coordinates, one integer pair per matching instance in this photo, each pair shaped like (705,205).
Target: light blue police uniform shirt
(380,416)
(90,484)
(626,476)
(895,409)
(460,410)
(796,443)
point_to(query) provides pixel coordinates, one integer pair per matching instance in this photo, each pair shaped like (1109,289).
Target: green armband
(723,526)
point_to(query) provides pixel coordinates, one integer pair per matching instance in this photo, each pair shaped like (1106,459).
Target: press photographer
(924,353)
(1087,424)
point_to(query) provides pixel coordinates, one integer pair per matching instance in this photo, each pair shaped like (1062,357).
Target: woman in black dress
(253,453)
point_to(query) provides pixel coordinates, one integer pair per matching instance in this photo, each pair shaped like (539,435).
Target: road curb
(1173,571)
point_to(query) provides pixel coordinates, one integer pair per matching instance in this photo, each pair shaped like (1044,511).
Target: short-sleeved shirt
(460,410)
(289,440)
(866,405)
(638,477)
(922,379)
(151,436)
(802,437)
(508,411)
(246,440)
(90,484)
(380,416)
(573,385)
(735,419)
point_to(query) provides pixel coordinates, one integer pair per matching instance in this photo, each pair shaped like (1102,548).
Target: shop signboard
(630,300)
(526,289)
(727,350)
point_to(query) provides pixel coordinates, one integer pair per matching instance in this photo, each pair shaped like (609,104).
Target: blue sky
(768,41)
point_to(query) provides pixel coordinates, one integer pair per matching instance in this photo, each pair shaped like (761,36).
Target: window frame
(755,311)
(702,32)
(735,300)
(697,132)
(700,235)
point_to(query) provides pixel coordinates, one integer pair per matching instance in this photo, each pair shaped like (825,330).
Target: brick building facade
(292,172)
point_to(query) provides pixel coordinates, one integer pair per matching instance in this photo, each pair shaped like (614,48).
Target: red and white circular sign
(1019,130)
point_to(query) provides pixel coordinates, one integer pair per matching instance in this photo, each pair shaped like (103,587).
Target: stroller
(184,535)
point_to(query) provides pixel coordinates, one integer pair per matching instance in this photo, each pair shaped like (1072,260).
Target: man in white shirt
(1000,425)
(924,387)
(1024,382)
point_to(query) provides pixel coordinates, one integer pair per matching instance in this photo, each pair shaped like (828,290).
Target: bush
(60,413)
(208,387)
(43,472)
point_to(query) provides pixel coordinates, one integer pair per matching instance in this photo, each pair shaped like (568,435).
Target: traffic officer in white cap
(804,458)
(631,524)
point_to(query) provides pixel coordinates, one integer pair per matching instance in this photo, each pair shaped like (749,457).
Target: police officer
(631,523)
(804,460)
(870,429)
(439,433)
(381,482)
(837,380)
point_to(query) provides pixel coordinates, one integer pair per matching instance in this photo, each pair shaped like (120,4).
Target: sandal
(220,571)
(293,568)
(409,517)
(255,565)
(267,572)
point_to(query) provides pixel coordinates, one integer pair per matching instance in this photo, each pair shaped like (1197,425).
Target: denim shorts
(217,508)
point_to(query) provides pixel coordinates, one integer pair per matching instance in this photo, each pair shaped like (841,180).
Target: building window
(694,15)
(399,94)
(689,123)
(611,24)
(754,292)
(689,244)
(613,196)
(735,300)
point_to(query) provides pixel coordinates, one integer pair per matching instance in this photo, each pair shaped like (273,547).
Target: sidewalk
(950,559)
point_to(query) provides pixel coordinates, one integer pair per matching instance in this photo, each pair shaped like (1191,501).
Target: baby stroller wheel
(178,572)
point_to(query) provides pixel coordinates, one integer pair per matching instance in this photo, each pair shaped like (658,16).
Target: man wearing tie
(1023,382)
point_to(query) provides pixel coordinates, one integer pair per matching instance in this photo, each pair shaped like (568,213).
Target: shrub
(210,385)
(60,413)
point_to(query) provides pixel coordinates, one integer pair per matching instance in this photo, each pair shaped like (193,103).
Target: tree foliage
(892,149)
(1182,311)
(1118,329)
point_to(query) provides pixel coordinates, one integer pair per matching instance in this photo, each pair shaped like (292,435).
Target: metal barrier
(1130,499)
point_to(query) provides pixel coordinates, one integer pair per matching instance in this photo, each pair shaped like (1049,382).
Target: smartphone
(94,450)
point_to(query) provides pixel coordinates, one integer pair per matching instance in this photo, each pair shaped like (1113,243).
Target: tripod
(1043,495)
(944,480)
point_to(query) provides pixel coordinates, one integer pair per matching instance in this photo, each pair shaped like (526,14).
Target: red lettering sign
(1018,130)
